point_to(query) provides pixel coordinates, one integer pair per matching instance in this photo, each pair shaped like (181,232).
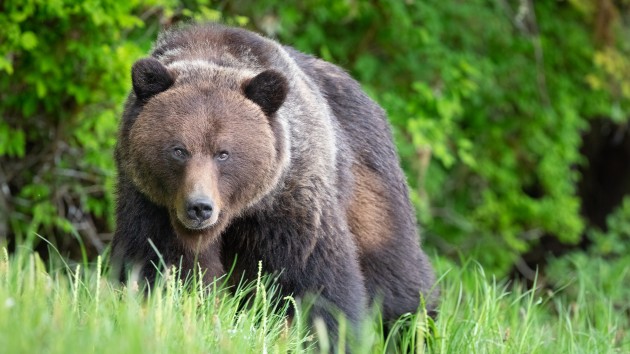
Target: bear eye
(223,155)
(180,153)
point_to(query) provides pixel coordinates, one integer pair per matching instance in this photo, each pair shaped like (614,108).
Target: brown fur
(369,217)
(312,187)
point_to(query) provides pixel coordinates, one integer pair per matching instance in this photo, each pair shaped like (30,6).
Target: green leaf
(29,40)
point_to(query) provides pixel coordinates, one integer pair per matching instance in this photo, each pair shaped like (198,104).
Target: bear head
(205,142)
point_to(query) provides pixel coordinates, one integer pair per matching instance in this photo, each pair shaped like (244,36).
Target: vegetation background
(511,118)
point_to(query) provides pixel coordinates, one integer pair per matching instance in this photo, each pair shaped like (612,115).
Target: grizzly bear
(235,150)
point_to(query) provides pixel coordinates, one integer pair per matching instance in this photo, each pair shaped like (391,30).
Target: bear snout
(198,212)
(199,209)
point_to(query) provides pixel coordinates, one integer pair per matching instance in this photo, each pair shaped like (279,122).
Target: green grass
(60,308)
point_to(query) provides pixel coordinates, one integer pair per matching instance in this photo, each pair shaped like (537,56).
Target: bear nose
(199,209)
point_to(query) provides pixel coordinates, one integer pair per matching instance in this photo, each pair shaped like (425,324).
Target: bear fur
(234,149)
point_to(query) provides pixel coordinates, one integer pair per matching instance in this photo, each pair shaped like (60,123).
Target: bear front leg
(330,280)
(321,267)
(137,221)
(334,275)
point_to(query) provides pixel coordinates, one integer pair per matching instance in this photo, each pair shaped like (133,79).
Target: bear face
(204,150)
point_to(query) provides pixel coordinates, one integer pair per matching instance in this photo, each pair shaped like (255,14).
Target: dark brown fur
(312,188)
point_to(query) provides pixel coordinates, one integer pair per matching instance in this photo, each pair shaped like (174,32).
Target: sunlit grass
(61,308)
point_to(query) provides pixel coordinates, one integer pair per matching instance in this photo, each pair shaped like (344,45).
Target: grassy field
(61,308)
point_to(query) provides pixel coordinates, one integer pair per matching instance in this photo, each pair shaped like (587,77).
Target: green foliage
(65,67)
(594,292)
(74,309)
(483,315)
(62,308)
(615,241)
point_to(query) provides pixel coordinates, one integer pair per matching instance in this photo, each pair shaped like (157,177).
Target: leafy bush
(615,241)
(66,71)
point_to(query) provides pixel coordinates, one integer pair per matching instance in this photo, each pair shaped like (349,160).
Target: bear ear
(268,90)
(150,77)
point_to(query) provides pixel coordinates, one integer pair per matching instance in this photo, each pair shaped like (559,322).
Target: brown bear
(235,150)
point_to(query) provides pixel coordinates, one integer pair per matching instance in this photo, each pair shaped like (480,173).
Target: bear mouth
(199,225)
(196,225)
